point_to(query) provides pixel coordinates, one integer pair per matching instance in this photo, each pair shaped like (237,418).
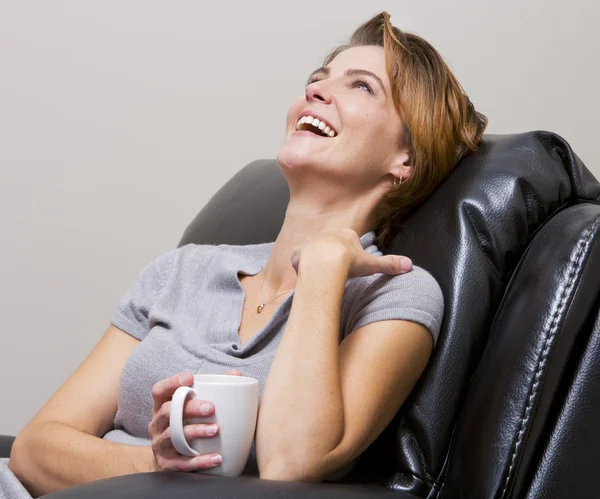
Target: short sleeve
(414,296)
(133,310)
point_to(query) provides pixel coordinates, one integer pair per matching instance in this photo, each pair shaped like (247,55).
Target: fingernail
(211,430)
(216,459)
(182,378)
(205,408)
(405,264)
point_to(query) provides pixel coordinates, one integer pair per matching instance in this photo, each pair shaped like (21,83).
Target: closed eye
(355,84)
(359,83)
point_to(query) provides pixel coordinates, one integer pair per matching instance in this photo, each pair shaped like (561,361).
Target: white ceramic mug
(236,408)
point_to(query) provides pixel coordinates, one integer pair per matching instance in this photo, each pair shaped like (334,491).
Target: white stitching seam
(546,350)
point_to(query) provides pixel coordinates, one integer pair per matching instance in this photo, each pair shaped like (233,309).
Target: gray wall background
(120,119)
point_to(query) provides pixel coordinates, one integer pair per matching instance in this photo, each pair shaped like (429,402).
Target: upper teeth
(321,125)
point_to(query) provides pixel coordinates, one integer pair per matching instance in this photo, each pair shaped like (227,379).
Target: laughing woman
(336,333)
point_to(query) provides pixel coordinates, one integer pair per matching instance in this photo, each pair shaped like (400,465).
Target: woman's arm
(323,404)
(53,456)
(62,445)
(301,413)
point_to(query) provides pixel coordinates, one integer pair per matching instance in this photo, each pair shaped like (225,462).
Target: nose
(317,91)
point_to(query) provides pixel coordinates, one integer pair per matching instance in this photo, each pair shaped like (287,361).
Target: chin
(293,157)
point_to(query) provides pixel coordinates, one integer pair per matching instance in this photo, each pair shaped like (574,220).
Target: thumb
(234,372)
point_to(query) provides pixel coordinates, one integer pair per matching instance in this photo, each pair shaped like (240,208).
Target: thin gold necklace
(260,308)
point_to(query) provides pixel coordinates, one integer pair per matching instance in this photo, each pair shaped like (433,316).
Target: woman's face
(353,96)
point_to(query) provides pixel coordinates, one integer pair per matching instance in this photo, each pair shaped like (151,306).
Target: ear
(402,164)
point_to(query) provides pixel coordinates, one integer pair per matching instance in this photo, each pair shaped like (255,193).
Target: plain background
(119,120)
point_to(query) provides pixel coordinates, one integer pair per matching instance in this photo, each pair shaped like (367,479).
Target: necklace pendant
(259,309)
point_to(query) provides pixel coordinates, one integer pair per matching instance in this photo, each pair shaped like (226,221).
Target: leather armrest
(6,443)
(166,485)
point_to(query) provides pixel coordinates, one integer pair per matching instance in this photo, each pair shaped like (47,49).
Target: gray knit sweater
(186,307)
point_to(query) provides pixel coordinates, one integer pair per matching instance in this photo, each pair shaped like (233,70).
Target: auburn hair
(441,124)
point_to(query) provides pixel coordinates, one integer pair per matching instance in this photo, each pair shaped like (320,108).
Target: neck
(298,227)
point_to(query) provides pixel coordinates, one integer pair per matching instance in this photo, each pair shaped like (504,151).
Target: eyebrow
(349,72)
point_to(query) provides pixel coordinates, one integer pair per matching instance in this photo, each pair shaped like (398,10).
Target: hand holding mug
(165,456)
(235,399)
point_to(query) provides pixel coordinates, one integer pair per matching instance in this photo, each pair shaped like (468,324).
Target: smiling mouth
(316,126)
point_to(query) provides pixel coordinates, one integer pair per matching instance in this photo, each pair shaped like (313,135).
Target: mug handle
(176,421)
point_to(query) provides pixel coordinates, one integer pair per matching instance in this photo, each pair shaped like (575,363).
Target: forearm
(54,456)
(301,417)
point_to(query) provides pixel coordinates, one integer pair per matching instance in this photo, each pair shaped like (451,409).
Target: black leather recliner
(510,402)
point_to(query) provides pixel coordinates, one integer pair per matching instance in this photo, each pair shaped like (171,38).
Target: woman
(380,126)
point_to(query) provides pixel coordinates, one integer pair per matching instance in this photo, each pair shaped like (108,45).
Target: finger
(406,264)
(197,408)
(162,391)
(202,462)
(191,409)
(395,264)
(164,445)
(234,372)
(193,431)
(162,419)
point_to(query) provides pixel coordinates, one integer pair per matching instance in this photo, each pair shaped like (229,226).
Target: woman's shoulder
(192,259)
(417,277)
(421,277)
(414,295)
(180,256)
(418,286)
(193,252)
(202,252)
